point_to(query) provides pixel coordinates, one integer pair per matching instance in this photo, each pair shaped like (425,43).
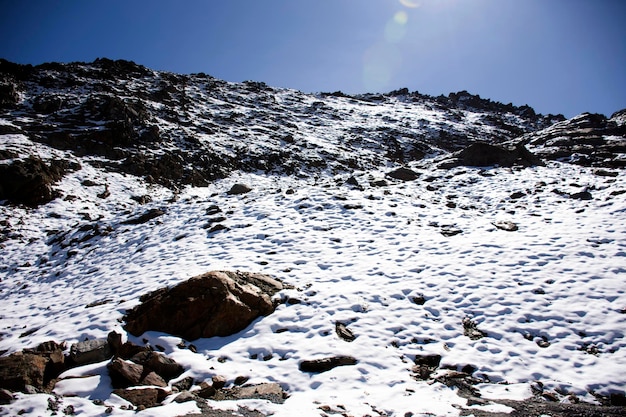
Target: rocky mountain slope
(431,255)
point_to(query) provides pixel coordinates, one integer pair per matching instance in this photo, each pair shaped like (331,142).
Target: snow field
(359,257)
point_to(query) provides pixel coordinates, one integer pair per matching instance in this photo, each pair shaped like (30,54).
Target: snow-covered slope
(410,267)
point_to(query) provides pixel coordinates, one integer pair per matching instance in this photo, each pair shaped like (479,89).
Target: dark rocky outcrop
(29,181)
(217,303)
(482,154)
(587,139)
(326,364)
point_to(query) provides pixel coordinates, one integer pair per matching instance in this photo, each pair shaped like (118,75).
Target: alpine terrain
(178,245)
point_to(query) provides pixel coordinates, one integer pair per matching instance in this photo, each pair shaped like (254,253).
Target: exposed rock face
(587,139)
(218,303)
(142,397)
(481,154)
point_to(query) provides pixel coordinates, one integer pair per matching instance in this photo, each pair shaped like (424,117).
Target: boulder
(19,370)
(90,351)
(481,154)
(239,189)
(125,374)
(218,303)
(142,397)
(403,174)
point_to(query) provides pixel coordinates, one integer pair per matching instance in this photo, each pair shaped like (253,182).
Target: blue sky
(558,56)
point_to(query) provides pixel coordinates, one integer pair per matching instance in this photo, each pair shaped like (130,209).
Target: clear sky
(558,56)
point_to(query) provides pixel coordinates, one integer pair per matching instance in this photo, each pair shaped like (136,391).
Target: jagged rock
(217,303)
(29,181)
(19,370)
(90,351)
(403,174)
(425,365)
(506,225)
(125,374)
(142,397)
(471,330)
(343,332)
(239,189)
(326,364)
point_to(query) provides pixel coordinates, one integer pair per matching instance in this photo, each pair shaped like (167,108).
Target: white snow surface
(354,256)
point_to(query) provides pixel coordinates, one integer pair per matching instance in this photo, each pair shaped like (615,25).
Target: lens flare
(411,4)
(401,18)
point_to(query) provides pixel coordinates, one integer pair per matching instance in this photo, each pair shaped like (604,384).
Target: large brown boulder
(21,369)
(218,303)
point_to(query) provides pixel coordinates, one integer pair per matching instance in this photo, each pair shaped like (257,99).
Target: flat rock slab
(326,364)
(218,303)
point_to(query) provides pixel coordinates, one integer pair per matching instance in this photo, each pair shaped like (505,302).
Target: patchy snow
(550,296)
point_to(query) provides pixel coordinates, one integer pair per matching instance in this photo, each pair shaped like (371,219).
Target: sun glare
(411,4)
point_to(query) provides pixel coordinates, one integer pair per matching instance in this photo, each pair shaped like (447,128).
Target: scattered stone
(219,381)
(343,332)
(326,364)
(185,396)
(471,330)
(90,351)
(449,230)
(517,195)
(419,299)
(213,210)
(425,365)
(403,174)
(583,195)
(184,384)
(145,217)
(506,225)
(206,391)
(239,189)
(218,303)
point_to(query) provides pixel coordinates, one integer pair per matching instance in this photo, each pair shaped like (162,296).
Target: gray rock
(90,351)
